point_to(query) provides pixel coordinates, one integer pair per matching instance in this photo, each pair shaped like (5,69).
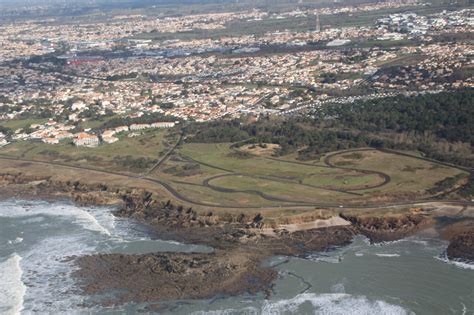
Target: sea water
(37,238)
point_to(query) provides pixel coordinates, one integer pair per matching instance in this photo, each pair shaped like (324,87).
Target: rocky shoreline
(461,247)
(235,266)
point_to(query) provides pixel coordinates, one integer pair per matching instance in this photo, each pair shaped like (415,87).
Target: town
(64,78)
(237,157)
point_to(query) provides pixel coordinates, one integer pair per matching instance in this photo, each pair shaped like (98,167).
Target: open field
(134,154)
(215,176)
(353,177)
(408,175)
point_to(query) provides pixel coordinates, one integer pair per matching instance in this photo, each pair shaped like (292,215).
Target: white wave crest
(80,215)
(12,288)
(330,304)
(230,311)
(387,255)
(463,265)
(333,258)
(333,304)
(17,240)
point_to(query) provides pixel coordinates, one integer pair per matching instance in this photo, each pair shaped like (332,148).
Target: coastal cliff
(241,243)
(388,228)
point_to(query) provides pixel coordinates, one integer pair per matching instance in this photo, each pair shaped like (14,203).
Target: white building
(50,140)
(163,125)
(86,140)
(3,142)
(139,127)
(108,136)
(121,129)
(110,139)
(78,106)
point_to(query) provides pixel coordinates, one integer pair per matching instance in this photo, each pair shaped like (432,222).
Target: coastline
(241,243)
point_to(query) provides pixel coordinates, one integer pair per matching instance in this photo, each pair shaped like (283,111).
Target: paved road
(165,157)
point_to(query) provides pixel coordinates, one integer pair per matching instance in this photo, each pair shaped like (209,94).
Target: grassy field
(219,174)
(408,175)
(210,196)
(221,156)
(214,175)
(293,192)
(133,154)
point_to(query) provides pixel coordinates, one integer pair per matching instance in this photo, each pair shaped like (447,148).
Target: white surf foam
(17,240)
(334,304)
(330,257)
(411,239)
(387,255)
(312,303)
(12,288)
(230,311)
(463,265)
(46,273)
(80,215)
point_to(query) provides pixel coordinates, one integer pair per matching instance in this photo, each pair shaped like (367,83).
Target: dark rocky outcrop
(461,247)
(170,276)
(387,228)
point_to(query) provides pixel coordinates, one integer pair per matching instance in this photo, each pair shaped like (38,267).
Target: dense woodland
(439,125)
(447,116)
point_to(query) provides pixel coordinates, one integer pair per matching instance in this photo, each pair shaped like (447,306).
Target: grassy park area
(217,175)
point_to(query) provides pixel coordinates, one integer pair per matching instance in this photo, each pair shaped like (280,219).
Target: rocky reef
(461,247)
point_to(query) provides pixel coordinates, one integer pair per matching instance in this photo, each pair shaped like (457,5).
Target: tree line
(440,125)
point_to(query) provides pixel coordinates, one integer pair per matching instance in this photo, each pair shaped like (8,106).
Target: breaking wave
(460,264)
(387,255)
(333,304)
(12,288)
(320,304)
(79,215)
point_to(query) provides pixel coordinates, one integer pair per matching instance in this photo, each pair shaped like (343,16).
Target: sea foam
(330,304)
(333,304)
(12,288)
(463,265)
(387,255)
(79,215)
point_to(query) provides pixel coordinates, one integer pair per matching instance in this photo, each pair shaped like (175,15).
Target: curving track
(287,203)
(207,182)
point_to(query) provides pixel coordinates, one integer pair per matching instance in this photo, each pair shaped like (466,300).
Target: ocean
(38,239)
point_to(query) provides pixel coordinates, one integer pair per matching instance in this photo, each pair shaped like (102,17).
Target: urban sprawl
(63,76)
